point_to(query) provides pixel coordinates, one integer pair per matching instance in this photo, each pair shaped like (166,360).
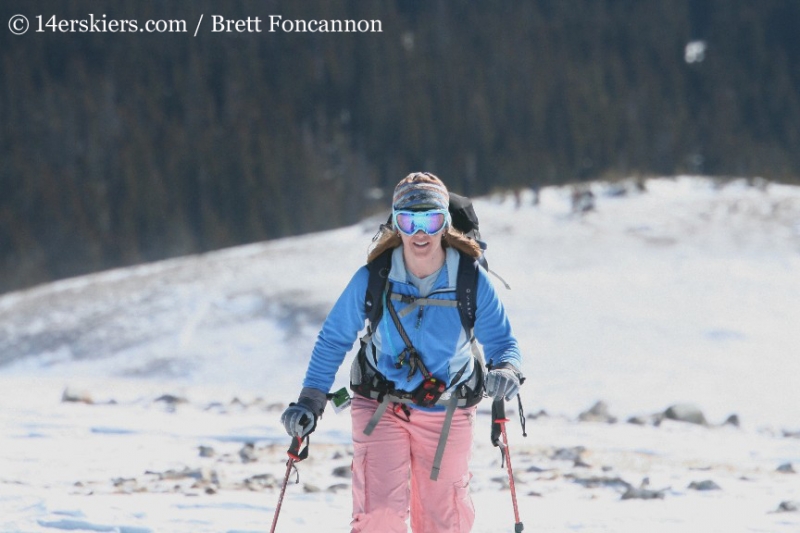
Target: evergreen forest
(118,148)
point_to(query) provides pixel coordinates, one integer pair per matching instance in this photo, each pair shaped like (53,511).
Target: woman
(416,379)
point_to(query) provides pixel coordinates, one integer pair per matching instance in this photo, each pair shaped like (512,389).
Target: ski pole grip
(498,419)
(499,411)
(298,452)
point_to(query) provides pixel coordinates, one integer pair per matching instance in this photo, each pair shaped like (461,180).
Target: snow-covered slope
(685,292)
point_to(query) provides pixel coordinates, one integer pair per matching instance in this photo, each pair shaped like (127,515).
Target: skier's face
(421,248)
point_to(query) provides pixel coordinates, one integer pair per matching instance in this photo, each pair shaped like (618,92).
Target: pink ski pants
(392,468)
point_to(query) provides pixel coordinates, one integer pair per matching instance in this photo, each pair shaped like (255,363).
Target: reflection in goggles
(410,222)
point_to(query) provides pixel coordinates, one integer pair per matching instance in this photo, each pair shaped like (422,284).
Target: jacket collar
(399,274)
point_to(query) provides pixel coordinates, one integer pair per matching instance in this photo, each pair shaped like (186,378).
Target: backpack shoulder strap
(378,276)
(467,290)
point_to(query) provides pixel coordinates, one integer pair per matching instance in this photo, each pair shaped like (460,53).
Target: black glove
(502,382)
(300,418)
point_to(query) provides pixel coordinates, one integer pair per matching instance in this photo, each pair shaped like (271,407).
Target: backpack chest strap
(414,302)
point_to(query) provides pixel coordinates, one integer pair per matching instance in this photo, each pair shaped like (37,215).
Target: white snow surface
(686,292)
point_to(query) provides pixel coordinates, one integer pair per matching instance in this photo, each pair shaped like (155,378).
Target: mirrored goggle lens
(410,222)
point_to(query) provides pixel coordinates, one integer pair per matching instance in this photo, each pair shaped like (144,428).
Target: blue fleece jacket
(435,331)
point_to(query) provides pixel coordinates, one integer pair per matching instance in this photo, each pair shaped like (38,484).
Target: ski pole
(295,456)
(499,428)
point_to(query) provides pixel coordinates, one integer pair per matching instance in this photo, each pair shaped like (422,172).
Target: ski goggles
(431,222)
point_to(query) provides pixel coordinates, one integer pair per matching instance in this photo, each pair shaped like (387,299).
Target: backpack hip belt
(367,381)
